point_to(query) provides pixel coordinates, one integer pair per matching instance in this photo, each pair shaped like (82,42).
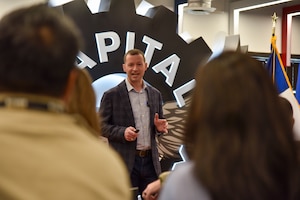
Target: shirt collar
(130,87)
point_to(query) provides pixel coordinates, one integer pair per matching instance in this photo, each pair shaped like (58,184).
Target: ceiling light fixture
(199,7)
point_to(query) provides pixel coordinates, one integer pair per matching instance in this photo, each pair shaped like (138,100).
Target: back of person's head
(38,48)
(242,145)
(83,100)
(287,109)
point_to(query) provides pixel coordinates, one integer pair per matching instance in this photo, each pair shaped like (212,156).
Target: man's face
(135,68)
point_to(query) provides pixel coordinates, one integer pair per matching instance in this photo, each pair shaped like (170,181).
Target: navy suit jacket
(117,115)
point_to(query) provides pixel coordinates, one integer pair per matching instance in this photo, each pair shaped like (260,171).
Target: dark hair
(243,148)
(134,52)
(287,105)
(287,109)
(38,48)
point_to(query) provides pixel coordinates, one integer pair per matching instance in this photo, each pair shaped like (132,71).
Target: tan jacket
(49,155)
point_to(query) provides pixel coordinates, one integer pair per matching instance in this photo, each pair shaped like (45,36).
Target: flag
(281,81)
(298,85)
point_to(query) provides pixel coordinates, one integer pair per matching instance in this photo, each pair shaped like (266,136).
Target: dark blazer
(117,115)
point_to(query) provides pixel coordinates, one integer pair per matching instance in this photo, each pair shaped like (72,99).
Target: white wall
(256,31)
(295,36)
(9,5)
(205,26)
(255,28)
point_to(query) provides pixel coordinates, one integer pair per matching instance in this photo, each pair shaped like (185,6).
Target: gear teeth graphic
(161,16)
(160,25)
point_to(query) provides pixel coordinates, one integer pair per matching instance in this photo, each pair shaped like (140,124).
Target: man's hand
(160,124)
(131,134)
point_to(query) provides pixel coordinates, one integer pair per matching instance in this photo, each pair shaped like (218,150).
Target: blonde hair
(83,100)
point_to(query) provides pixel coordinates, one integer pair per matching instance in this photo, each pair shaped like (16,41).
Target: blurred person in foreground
(82,103)
(45,152)
(239,139)
(152,190)
(287,106)
(132,117)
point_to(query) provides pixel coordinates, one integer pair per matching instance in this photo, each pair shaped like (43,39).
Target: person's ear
(70,85)
(124,67)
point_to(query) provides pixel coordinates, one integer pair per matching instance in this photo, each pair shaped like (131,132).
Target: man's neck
(138,86)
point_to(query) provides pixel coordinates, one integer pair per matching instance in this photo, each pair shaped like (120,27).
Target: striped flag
(281,80)
(298,85)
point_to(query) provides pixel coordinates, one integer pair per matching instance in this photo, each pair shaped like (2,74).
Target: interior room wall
(295,36)
(9,5)
(206,26)
(256,31)
(254,28)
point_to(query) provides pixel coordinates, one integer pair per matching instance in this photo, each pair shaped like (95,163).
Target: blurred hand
(160,124)
(152,190)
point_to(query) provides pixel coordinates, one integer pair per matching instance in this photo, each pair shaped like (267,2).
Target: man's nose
(135,67)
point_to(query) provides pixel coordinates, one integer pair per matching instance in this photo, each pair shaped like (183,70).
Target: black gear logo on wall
(172,62)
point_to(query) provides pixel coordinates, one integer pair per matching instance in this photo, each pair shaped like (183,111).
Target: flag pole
(273,40)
